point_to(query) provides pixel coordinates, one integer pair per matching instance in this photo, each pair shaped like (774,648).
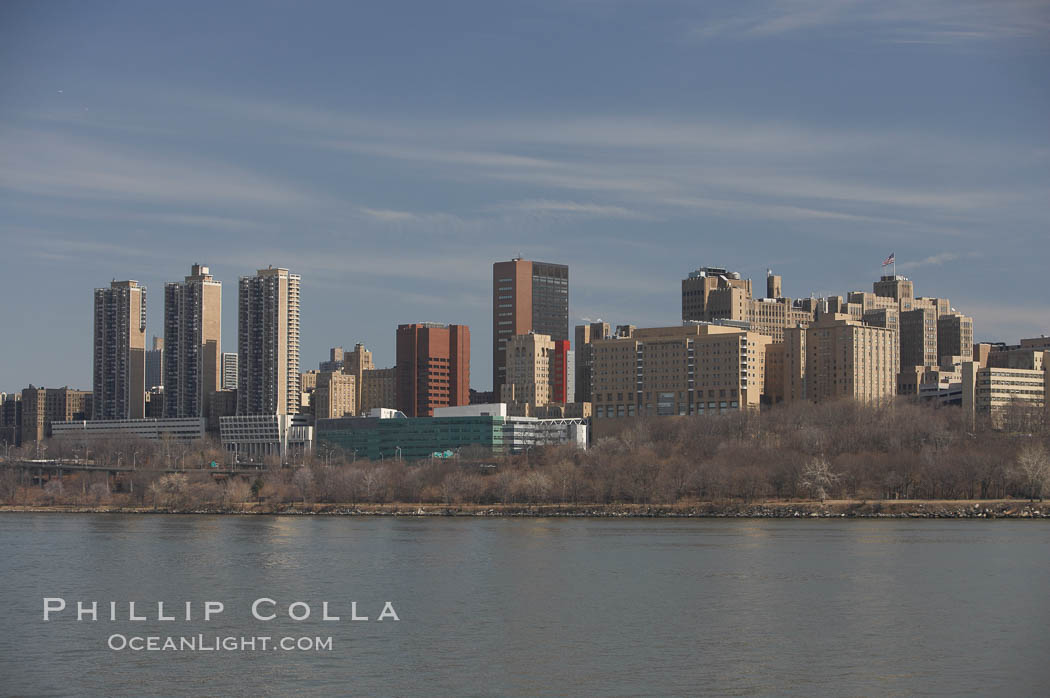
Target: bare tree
(303,482)
(236,492)
(53,491)
(1034,466)
(170,490)
(817,477)
(99,493)
(534,487)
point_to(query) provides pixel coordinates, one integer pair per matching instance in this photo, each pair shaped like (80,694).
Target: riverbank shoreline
(838,509)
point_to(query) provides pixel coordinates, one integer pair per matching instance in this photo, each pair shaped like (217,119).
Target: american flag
(889,260)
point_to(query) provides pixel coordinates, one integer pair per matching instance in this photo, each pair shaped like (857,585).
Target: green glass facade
(417,437)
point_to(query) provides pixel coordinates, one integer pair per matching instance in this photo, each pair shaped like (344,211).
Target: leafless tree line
(842,450)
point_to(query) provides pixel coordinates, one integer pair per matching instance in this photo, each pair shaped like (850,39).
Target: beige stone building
(882,317)
(335,395)
(712,294)
(689,370)
(991,392)
(43,406)
(898,288)
(308,381)
(555,410)
(838,357)
(918,381)
(794,361)
(355,363)
(528,369)
(378,389)
(871,301)
(1024,356)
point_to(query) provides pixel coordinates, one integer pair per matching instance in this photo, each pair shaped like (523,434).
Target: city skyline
(634,142)
(306,363)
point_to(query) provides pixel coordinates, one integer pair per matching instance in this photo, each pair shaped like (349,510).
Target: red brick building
(560,372)
(433,367)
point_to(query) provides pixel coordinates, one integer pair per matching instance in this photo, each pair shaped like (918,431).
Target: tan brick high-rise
(838,357)
(335,395)
(193,343)
(694,369)
(528,376)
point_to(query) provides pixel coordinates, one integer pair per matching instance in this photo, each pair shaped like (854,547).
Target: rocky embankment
(888,509)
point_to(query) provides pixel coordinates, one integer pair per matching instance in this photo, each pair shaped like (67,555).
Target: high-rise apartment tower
(119,375)
(193,343)
(268,343)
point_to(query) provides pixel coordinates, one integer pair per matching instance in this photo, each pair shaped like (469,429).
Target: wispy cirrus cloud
(569,208)
(1003,322)
(904,21)
(56,246)
(54,164)
(649,165)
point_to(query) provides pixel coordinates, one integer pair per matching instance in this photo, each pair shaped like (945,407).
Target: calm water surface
(537,606)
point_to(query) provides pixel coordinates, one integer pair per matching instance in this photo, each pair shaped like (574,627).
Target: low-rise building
(990,393)
(390,434)
(256,438)
(42,407)
(178,428)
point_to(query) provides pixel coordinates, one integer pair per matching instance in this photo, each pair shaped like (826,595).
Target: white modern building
(229,370)
(492,409)
(522,433)
(253,438)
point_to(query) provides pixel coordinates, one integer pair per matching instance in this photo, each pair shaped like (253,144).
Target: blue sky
(390,152)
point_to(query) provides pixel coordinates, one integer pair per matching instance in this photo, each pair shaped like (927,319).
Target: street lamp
(355,456)
(398,450)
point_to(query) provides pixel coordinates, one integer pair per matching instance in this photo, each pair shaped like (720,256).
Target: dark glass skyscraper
(526,297)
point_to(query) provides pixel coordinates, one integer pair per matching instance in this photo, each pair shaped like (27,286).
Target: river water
(529,606)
